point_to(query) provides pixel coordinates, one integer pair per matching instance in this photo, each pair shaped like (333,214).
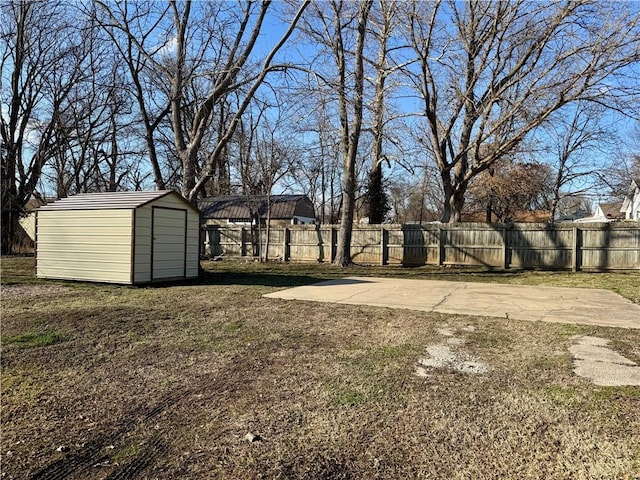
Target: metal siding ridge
(186,231)
(153,208)
(112,200)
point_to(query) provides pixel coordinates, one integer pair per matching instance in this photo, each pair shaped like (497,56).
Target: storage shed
(118,237)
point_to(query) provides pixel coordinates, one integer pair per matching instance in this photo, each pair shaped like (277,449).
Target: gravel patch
(444,356)
(10,292)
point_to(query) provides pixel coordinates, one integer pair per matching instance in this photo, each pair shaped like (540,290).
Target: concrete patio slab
(519,302)
(601,365)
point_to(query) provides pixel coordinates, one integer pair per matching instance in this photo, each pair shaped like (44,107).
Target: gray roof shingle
(241,206)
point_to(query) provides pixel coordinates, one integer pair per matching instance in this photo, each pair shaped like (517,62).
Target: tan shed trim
(35,247)
(133,246)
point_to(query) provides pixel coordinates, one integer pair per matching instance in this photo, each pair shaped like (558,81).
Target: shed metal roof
(109,200)
(240,206)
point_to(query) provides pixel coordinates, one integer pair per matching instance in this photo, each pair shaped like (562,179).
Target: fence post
(441,243)
(322,252)
(205,242)
(505,249)
(575,251)
(384,242)
(286,254)
(243,245)
(334,241)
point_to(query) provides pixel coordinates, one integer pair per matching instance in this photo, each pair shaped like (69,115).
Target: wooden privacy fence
(612,246)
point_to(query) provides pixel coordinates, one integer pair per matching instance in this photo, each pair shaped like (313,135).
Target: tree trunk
(351,139)
(377,199)
(9,195)
(189,165)
(343,251)
(10,216)
(453,204)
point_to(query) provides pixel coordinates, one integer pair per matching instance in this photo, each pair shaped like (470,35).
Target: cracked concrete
(514,302)
(601,365)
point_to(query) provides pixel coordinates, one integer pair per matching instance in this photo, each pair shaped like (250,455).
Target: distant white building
(605,212)
(631,205)
(571,208)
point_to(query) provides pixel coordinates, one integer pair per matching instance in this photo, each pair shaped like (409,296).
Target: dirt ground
(110,382)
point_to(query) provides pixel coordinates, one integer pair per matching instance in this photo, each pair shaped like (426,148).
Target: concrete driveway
(520,302)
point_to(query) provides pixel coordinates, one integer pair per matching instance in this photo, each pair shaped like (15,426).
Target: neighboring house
(605,212)
(571,208)
(244,209)
(631,205)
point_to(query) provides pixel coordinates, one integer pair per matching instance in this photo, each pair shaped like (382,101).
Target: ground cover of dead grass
(103,381)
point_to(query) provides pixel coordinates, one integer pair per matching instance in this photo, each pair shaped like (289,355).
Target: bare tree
(42,57)
(318,171)
(625,168)
(491,73)
(331,27)
(136,41)
(384,30)
(208,56)
(509,188)
(92,152)
(383,25)
(350,130)
(272,162)
(579,140)
(619,176)
(231,72)
(414,202)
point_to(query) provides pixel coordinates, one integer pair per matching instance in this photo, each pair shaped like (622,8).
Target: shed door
(169,238)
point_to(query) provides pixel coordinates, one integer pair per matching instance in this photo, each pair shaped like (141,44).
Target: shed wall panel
(168,243)
(85,245)
(193,232)
(142,269)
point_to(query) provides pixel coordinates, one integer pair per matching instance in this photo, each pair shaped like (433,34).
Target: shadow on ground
(284,279)
(255,279)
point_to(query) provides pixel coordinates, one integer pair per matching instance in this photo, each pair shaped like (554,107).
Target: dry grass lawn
(104,381)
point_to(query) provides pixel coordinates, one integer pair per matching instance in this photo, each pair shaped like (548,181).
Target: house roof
(110,200)
(241,206)
(612,210)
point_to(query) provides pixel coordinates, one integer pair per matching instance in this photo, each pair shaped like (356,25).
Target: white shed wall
(93,245)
